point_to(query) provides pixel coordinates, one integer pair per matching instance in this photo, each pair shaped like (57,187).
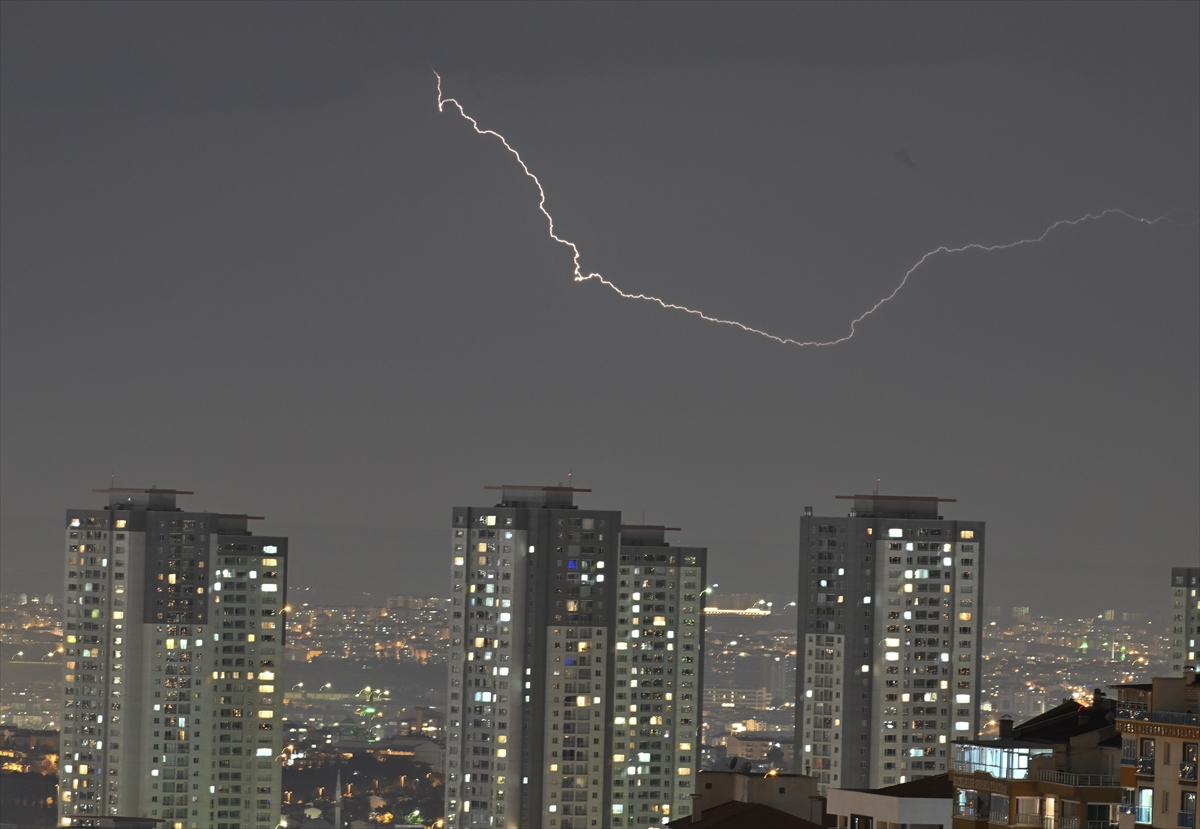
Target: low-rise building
(919,804)
(1055,771)
(756,746)
(1159,722)
(772,795)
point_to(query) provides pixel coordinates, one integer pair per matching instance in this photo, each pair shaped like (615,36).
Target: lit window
(894,533)
(891,656)
(891,643)
(270,588)
(962,726)
(270,562)
(266,714)
(965,616)
(967,534)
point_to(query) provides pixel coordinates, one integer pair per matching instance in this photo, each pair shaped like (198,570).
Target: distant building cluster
(583,672)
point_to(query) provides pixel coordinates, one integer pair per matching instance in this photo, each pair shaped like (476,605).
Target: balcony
(1101,824)
(1067,779)
(1187,771)
(1143,814)
(1187,820)
(1145,765)
(1027,819)
(1168,717)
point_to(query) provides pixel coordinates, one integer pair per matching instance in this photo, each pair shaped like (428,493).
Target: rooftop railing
(1168,717)
(1067,779)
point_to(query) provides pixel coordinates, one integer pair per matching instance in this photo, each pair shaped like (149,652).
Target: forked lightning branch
(580,276)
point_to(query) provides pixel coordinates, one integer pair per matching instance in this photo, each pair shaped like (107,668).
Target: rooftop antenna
(876,490)
(570,479)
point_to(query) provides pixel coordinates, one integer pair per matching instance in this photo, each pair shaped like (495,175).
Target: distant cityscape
(588,656)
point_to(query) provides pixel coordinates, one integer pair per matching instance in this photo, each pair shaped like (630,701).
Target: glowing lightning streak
(581,277)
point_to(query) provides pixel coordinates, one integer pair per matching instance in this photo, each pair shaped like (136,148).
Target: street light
(18,653)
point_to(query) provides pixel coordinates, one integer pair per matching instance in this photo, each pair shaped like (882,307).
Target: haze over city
(244,254)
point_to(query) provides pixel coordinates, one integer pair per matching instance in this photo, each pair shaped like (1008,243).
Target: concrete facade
(576,666)
(795,794)
(888,641)
(173,632)
(1185,620)
(903,806)
(1159,724)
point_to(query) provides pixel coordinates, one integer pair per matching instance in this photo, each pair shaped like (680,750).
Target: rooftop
(737,815)
(521,496)
(937,786)
(896,506)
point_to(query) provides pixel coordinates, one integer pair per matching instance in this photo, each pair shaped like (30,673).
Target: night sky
(244,254)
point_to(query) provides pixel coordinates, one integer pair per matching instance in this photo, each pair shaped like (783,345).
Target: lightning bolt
(580,276)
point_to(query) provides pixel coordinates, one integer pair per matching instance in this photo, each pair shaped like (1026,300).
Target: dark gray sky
(242,253)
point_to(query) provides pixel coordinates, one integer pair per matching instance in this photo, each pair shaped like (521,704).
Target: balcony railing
(1170,717)
(1027,819)
(1069,823)
(1101,824)
(1143,814)
(1187,770)
(1187,820)
(1068,779)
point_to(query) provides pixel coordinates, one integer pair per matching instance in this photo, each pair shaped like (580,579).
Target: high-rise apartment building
(567,652)
(659,677)
(888,640)
(1185,620)
(173,633)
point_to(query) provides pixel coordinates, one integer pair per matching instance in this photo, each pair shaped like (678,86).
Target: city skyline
(263,205)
